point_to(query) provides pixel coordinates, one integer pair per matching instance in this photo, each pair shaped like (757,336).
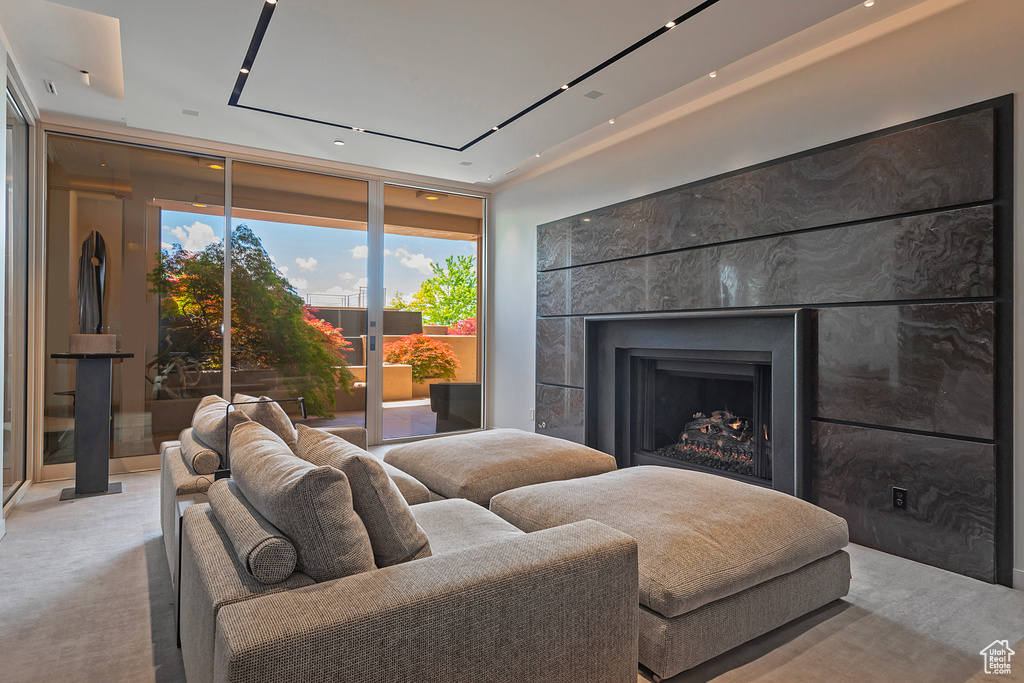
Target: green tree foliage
(270,327)
(398,302)
(450,295)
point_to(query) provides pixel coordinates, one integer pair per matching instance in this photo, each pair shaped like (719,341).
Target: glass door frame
(230,154)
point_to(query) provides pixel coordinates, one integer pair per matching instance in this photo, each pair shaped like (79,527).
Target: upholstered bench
(481,465)
(721,561)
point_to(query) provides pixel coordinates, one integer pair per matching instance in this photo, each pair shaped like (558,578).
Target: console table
(92,423)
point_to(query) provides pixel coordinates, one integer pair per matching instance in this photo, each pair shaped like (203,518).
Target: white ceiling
(439,72)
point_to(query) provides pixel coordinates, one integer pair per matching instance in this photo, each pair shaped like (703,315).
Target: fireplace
(718,393)
(705,411)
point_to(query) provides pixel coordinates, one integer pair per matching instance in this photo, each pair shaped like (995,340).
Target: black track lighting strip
(268,12)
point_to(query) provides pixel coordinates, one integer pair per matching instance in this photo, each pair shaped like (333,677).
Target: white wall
(965,54)
(3,239)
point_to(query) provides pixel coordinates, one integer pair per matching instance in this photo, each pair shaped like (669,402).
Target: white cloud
(388,252)
(272,259)
(340,291)
(361,282)
(195,237)
(361,251)
(165,245)
(284,270)
(306,264)
(419,262)
(299,283)
(346,276)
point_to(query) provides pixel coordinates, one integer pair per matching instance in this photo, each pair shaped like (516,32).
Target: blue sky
(318,260)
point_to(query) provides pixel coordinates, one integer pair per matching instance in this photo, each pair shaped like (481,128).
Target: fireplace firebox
(703,411)
(720,393)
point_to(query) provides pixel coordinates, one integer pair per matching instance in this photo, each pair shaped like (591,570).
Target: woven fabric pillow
(202,458)
(269,414)
(311,505)
(209,419)
(394,533)
(259,546)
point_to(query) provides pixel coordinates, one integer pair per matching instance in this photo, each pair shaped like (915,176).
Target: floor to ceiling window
(160,217)
(15,292)
(304,284)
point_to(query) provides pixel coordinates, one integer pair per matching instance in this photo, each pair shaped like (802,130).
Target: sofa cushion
(311,505)
(268,413)
(393,531)
(260,547)
(412,489)
(209,419)
(701,536)
(202,458)
(478,466)
(457,523)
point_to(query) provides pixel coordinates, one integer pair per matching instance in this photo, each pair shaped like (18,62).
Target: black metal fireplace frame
(612,341)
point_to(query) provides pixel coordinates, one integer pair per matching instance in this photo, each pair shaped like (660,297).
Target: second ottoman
(481,465)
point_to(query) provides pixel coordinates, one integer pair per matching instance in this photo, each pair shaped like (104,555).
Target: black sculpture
(92,270)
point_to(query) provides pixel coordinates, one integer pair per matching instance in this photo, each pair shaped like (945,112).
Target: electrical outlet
(899,498)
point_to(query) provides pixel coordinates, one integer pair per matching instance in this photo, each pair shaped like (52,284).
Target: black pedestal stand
(92,424)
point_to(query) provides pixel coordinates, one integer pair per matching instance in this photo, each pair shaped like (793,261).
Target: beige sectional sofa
(384,591)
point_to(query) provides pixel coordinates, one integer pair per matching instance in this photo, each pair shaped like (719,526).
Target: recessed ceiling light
(611,120)
(271,2)
(537,155)
(430,196)
(670,24)
(85,77)
(586,220)
(216,167)
(465,163)
(339,143)
(244,70)
(359,130)
(869,3)
(494,128)
(565,87)
(713,74)
(198,205)
(102,164)
(489,177)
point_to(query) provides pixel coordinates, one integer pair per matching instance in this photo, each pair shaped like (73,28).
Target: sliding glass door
(298,290)
(432,354)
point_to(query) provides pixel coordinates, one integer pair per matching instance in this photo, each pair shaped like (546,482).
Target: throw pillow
(268,413)
(394,533)
(311,505)
(202,458)
(259,546)
(209,419)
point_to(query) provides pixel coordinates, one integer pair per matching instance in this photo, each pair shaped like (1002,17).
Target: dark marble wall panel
(609,287)
(559,412)
(553,245)
(553,293)
(614,233)
(932,166)
(552,350)
(577,368)
(928,367)
(940,255)
(949,520)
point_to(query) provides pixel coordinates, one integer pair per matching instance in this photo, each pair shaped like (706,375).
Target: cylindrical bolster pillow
(202,458)
(260,547)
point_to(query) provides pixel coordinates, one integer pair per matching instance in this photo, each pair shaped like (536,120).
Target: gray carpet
(85,595)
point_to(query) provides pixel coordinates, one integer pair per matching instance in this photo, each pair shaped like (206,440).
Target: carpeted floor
(85,595)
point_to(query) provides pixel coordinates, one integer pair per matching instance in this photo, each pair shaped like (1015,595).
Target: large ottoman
(481,465)
(721,561)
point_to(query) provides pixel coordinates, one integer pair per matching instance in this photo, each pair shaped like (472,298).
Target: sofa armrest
(353,434)
(211,578)
(558,604)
